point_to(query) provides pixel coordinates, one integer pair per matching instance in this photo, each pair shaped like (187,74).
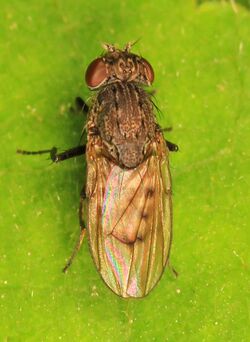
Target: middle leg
(171,146)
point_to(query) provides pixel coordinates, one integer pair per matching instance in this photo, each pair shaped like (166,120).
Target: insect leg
(81,105)
(172,269)
(72,152)
(167,129)
(171,146)
(57,157)
(82,232)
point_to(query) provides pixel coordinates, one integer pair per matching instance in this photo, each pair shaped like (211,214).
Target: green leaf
(201,60)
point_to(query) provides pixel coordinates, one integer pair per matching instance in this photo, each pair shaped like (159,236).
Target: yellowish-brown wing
(129,222)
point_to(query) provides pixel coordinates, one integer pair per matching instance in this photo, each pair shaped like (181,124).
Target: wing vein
(129,203)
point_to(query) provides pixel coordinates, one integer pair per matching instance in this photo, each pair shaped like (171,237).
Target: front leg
(57,157)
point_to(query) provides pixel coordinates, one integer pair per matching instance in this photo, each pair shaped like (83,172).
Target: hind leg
(82,232)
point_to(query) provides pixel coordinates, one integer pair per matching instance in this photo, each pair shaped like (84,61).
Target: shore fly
(128,189)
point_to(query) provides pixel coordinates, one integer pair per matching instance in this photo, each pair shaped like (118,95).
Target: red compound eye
(149,72)
(96,73)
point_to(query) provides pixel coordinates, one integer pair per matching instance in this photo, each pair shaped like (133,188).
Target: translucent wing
(129,221)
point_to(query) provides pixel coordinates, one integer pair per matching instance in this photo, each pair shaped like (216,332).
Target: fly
(128,189)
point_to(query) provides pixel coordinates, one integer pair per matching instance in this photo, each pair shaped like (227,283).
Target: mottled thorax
(125,121)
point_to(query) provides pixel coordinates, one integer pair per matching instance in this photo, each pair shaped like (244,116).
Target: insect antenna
(108,47)
(129,45)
